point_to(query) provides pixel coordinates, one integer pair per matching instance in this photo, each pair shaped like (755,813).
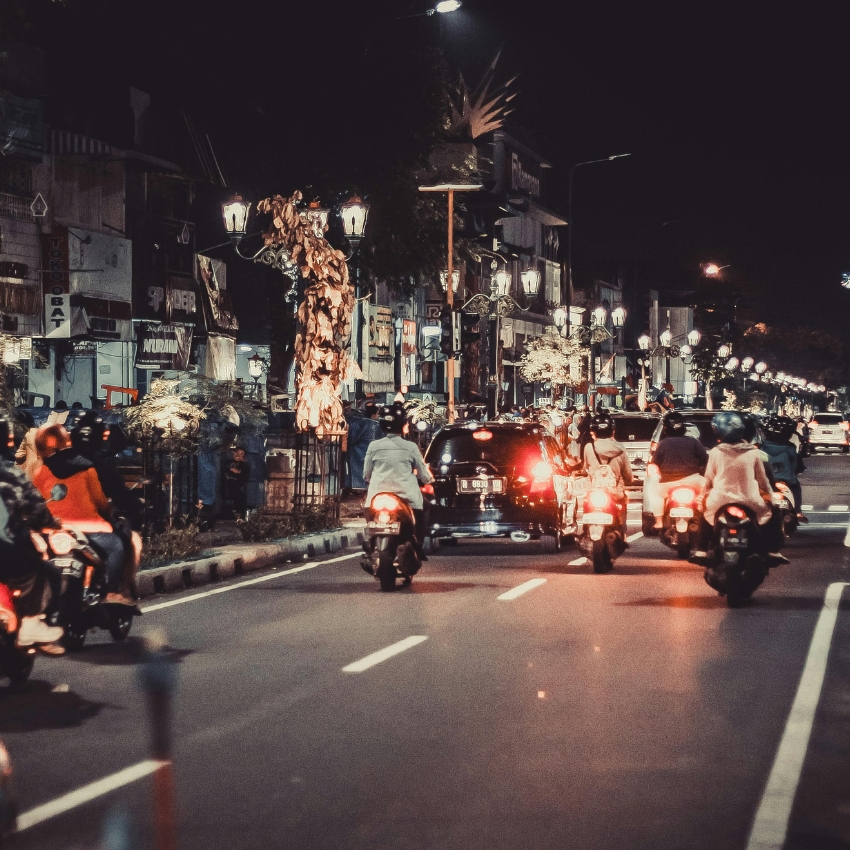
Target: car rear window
(703,425)
(826,419)
(637,430)
(503,448)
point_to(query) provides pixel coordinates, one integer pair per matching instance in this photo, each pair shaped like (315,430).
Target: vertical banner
(56,284)
(408,352)
(380,333)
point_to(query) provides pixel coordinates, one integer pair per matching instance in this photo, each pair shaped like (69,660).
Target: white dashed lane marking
(520,589)
(383,654)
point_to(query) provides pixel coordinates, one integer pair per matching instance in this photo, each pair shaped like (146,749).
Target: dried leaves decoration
(322,361)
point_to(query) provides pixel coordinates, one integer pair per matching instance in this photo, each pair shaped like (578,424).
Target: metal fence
(170,488)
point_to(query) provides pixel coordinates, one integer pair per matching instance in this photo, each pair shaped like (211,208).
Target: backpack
(603,477)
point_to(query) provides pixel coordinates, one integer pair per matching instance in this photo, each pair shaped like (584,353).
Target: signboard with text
(56,284)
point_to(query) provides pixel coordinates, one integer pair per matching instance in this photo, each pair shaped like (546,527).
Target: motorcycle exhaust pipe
(520,536)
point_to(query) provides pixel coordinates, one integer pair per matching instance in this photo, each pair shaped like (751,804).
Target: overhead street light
(235,214)
(445,6)
(712,269)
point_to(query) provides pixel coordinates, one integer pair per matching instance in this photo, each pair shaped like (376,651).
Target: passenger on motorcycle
(604,451)
(394,465)
(23,512)
(85,506)
(681,461)
(735,474)
(783,457)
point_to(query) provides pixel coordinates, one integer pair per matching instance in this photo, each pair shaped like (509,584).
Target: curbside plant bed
(228,561)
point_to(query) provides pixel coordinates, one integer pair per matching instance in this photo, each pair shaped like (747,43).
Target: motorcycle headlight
(62,543)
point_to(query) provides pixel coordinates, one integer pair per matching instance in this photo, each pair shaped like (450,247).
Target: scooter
(602,538)
(389,550)
(784,500)
(736,565)
(681,520)
(16,662)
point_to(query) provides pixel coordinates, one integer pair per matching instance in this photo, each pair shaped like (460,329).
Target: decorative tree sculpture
(551,358)
(295,240)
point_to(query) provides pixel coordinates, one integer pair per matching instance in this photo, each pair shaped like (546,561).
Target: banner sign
(217,306)
(408,337)
(163,347)
(380,333)
(56,286)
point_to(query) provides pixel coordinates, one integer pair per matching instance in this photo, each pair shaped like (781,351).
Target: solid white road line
(837,509)
(508,595)
(636,536)
(807,507)
(87,793)
(227,588)
(771,822)
(578,562)
(384,654)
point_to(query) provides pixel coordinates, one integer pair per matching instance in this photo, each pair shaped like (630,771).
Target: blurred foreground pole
(158,680)
(118,830)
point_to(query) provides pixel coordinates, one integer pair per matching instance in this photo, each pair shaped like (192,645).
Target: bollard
(158,679)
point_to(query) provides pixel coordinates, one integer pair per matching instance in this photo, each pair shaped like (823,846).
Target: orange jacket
(85,506)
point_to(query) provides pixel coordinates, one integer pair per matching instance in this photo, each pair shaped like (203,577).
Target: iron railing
(12,206)
(170,488)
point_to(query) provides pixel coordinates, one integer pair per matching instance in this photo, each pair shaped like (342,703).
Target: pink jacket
(735,474)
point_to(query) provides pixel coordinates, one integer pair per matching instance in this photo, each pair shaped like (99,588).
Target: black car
(499,479)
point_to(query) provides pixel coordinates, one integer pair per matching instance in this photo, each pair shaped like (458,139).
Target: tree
(708,366)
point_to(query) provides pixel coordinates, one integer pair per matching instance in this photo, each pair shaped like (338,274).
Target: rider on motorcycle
(735,474)
(22,512)
(393,465)
(681,461)
(783,457)
(603,450)
(85,506)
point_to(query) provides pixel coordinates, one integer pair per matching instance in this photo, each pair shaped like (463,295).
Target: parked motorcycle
(602,537)
(736,565)
(389,550)
(16,662)
(681,520)
(784,500)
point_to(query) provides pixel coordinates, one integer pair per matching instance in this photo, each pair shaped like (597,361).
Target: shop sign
(380,333)
(163,346)
(56,285)
(84,348)
(524,175)
(408,337)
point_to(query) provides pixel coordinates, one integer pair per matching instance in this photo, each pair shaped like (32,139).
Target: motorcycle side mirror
(58,492)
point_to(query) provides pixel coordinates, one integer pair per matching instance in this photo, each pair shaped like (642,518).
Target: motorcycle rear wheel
(119,623)
(75,636)
(601,557)
(386,571)
(683,549)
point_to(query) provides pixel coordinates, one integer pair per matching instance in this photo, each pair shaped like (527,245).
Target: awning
(101,318)
(537,212)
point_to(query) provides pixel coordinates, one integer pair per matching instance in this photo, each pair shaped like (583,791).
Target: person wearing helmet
(783,457)
(604,450)
(393,465)
(85,507)
(734,474)
(681,460)
(23,511)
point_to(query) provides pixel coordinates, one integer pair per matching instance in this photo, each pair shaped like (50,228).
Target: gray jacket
(393,465)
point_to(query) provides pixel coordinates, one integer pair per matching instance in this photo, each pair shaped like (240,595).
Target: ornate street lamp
(761,367)
(644,342)
(444,280)
(559,317)
(599,315)
(732,364)
(315,217)
(235,214)
(724,351)
(665,338)
(255,366)
(618,317)
(694,337)
(354,214)
(502,283)
(530,282)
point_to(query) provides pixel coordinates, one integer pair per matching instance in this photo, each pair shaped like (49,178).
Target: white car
(828,431)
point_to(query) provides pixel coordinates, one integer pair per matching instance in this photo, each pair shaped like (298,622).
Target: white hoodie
(735,474)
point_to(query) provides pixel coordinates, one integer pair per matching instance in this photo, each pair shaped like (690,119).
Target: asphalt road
(630,710)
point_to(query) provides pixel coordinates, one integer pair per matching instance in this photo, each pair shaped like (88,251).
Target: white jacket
(735,474)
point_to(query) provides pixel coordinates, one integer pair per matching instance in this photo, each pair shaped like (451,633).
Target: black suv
(499,479)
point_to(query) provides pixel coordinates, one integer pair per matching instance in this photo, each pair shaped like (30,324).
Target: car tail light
(599,499)
(427,489)
(652,447)
(683,495)
(62,543)
(482,435)
(652,470)
(735,511)
(541,471)
(385,502)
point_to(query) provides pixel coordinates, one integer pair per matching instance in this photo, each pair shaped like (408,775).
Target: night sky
(735,120)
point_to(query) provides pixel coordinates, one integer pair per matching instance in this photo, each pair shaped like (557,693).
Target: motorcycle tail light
(735,511)
(62,543)
(683,495)
(385,502)
(541,471)
(384,517)
(427,489)
(599,499)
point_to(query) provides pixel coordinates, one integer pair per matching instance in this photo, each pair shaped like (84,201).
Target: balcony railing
(12,206)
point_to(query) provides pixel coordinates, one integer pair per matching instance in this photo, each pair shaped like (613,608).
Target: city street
(629,710)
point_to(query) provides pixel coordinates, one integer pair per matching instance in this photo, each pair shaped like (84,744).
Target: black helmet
(392,418)
(7,440)
(752,429)
(728,426)
(779,428)
(674,424)
(602,426)
(89,434)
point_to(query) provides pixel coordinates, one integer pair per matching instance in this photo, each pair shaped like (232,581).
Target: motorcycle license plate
(685,513)
(69,567)
(784,504)
(733,541)
(484,484)
(383,527)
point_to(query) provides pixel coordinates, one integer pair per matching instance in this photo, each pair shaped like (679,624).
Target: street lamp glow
(643,342)
(724,350)
(712,269)
(694,337)
(559,317)
(446,6)
(665,338)
(845,280)
(686,350)
(761,367)
(618,317)
(599,316)
(732,364)
(235,214)
(747,364)
(354,214)
(255,366)
(444,279)
(503,282)
(530,282)
(780,376)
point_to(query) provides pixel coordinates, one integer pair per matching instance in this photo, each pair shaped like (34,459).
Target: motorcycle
(681,520)
(602,537)
(16,662)
(389,550)
(784,500)
(737,566)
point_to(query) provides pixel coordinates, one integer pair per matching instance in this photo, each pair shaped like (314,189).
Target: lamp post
(354,214)
(450,189)
(569,298)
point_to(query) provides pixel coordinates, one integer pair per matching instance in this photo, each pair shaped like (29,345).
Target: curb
(239,558)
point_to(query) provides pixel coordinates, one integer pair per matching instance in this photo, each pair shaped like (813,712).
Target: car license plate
(383,527)
(484,484)
(682,512)
(825,432)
